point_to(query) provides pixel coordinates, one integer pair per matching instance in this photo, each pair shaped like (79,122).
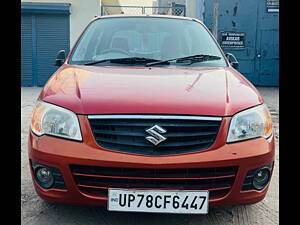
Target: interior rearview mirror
(60,58)
(232,60)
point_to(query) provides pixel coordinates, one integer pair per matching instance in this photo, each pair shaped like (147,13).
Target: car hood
(150,90)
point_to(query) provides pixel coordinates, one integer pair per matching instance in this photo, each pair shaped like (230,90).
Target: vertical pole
(215,18)
(34,51)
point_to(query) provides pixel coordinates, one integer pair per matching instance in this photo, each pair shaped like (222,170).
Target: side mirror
(60,58)
(232,60)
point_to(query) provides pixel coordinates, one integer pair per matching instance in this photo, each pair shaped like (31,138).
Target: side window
(126,40)
(205,45)
(156,43)
(186,42)
(195,48)
(82,50)
(98,42)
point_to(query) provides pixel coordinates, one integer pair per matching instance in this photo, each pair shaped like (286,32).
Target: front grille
(95,181)
(129,134)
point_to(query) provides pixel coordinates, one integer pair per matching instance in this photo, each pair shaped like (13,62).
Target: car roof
(146,15)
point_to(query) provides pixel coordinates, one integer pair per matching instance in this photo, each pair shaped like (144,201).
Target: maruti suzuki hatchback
(147,114)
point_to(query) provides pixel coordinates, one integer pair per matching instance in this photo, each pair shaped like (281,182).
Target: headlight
(55,120)
(251,123)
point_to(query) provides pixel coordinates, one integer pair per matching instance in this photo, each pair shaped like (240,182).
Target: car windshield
(149,38)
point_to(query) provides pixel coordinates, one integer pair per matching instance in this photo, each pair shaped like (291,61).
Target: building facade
(47,27)
(247,29)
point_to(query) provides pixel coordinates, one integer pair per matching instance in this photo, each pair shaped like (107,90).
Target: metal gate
(44,31)
(249,30)
(177,10)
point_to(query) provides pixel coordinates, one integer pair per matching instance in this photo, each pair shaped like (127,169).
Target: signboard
(272,5)
(231,39)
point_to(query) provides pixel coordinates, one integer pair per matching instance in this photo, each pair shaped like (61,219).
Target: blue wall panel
(52,36)
(26,51)
(267,46)
(259,59)
(57,8)
(43,34)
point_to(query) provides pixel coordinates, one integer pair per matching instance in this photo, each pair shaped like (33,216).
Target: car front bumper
(61,153)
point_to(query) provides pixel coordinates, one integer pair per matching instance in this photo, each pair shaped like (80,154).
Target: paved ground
(36,211)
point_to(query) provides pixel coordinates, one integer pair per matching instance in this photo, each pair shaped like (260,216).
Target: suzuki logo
(156,132)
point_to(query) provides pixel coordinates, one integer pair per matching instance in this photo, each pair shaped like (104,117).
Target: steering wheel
(115,50)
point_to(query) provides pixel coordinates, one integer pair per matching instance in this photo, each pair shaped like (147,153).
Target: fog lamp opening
(44,177)
(261,178)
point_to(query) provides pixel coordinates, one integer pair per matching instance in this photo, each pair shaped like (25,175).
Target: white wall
(190,6)
(135,11)
(195,8)
(136,3)
(82,11)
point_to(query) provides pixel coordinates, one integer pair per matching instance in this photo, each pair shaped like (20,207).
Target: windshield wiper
(193,58)
(129,60)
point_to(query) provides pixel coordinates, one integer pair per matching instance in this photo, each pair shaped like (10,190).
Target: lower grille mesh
(95,181)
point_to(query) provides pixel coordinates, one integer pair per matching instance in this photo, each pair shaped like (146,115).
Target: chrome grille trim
(121,116)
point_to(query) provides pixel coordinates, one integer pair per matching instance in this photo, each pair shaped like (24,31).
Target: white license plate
(158,201)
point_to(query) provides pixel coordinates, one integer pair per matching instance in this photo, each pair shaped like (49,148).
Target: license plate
(158,201)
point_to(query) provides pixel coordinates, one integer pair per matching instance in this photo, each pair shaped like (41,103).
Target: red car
(148,114)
